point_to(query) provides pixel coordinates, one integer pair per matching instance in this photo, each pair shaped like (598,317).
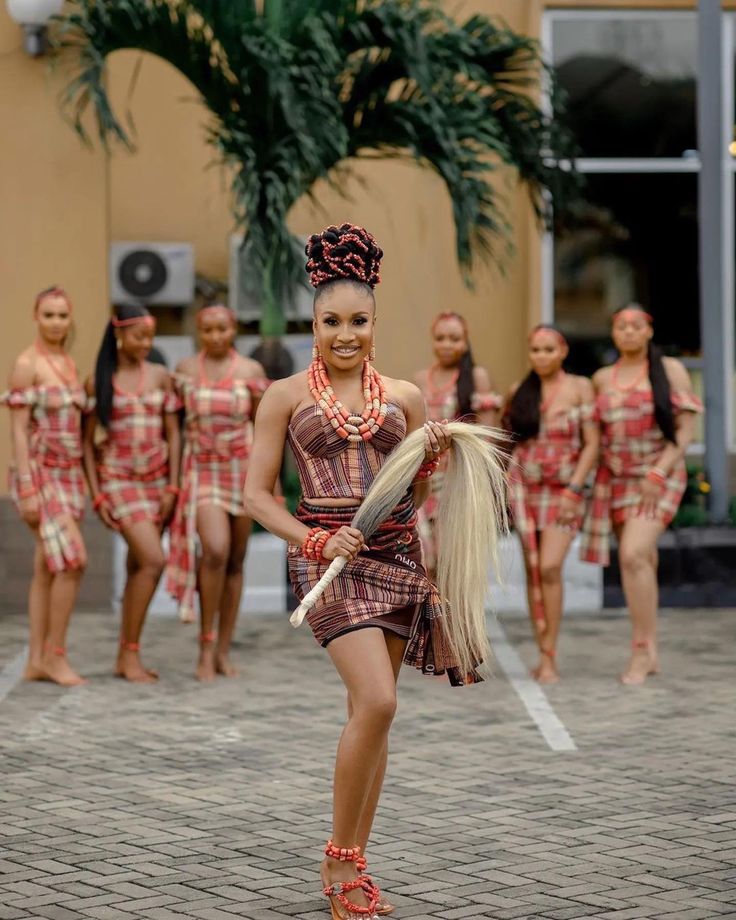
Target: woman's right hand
(106,517)
(347,541)
(30,510)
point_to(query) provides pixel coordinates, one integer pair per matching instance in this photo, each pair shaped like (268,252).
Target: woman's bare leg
(240,528)
(213,527)
(38,613)
(396,647)
(638,558)
(554,545)
(145,565)
(362,659)
(62,598)
(530,599)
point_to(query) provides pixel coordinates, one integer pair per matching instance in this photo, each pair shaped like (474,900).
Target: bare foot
(643,662)
(222,663)
(59,670)
(206,665)
(130,667)
(34,671)
(332,872)
(546,671)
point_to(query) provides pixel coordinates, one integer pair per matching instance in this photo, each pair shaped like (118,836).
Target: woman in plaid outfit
(342,420)
(453,388)
(647,414)
(131,457)
(551,418)
(47,483)
(220,391)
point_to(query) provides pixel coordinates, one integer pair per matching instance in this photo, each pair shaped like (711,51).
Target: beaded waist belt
(399,528)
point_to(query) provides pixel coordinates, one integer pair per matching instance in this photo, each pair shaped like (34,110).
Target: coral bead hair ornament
(345,252)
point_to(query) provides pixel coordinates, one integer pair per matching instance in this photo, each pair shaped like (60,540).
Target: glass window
(630,83)
(633,237)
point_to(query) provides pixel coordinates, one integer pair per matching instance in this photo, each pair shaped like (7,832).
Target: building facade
(629,71)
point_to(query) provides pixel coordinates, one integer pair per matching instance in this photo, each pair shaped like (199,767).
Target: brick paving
(211,802)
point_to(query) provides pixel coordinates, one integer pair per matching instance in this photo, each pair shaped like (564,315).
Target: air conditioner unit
(152,273)
(243,298)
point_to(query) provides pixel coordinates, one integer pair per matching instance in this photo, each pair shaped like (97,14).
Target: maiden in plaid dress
(47,484)
(647,410)
(220,391)
(382,609)
(453,388)
(131,453)
(551,418)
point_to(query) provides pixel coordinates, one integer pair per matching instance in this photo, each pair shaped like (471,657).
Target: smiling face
(631,331)
(54,319)
(216,331)
(135,341)
(344,321)
(547,351)
(449,341)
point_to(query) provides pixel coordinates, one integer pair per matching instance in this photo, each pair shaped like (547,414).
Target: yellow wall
(53,219)
(60,204)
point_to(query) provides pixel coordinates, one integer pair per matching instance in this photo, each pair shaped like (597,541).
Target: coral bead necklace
(348,426)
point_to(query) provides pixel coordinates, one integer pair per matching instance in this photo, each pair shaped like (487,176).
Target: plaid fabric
(631,445)
(217,439)
(386,579)
(539,470)
(55,446)
(330,465)
(132,460)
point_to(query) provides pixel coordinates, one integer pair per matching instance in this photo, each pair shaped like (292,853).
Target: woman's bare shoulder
(187,366)
(23,371)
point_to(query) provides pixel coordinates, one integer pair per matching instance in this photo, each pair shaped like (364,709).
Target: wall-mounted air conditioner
(152,273)
(243,299)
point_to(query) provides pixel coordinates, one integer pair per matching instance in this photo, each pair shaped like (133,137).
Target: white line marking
(11,673)
(528,690)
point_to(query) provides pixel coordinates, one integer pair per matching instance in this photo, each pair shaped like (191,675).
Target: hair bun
(347,252)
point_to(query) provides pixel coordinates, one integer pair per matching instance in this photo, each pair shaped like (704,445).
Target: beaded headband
(52,292)
(556,332)
(450,314)
(146,319)
(349,266)
(647,316)
(215,308)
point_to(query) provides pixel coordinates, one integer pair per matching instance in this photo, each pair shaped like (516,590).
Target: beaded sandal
(383,908)
(342,908)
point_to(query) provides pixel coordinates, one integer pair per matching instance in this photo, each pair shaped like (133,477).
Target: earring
(372,354)
(118,344)
(315,350)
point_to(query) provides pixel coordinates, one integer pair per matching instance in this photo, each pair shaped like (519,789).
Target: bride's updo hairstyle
(344,254)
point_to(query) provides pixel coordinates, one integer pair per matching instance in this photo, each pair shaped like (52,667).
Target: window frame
(663,165)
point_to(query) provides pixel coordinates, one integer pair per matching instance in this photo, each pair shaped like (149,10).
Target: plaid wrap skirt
(55,467)
(389,577)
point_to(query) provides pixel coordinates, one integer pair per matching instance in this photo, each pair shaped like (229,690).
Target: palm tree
(297,89)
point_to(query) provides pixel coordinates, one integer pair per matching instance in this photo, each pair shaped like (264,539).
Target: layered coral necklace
(69,376)
(348,426)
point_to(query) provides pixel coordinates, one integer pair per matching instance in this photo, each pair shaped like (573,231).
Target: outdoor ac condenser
(243,300)
(152,273)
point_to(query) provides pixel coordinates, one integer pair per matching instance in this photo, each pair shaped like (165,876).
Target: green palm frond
(299,88)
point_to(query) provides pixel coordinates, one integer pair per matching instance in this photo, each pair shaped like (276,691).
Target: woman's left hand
(568,514)
(651,492)
(437,440)
(166,508)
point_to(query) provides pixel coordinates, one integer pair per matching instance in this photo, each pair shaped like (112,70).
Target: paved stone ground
(212,802)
